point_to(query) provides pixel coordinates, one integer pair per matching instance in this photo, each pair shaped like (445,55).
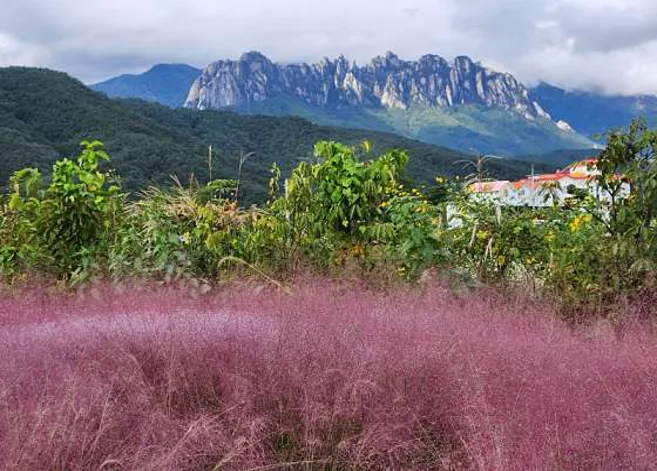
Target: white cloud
(14,52)
(604,44)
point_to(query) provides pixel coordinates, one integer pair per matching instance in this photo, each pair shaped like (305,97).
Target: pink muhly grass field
(330,377)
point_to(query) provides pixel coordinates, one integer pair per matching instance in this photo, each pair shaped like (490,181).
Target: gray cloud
(610,45)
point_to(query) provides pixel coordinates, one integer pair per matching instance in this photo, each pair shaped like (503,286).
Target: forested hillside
(44,115)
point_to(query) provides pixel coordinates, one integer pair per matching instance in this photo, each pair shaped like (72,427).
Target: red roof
(536,181)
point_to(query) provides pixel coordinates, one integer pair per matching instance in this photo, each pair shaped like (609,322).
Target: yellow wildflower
(576,223)
(483,235)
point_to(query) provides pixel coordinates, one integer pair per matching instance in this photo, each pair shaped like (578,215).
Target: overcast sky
(607,45)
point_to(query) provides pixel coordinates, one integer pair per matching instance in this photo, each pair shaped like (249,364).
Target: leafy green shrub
(21,244)
(343,205)
(585,253)
(63,227)
(79,210)
(608,248)
(493,243)
(344,210)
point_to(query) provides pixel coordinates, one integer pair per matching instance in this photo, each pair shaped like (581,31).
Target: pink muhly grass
(330,377)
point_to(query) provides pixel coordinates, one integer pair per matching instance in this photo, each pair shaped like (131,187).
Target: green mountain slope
(167,84)
(468,128)
(561,158)
(45,114)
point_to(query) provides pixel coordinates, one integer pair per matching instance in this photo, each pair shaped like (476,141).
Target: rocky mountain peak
(463,62)
(387,81)
(254,56)
(390,61)
(432,59)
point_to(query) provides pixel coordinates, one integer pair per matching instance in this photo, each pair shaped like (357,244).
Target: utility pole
(480,168)
(210,160)
(533,189)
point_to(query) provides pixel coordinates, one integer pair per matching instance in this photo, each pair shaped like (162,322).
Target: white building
(541,190)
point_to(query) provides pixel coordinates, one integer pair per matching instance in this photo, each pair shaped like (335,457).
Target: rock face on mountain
(386,82)
(459,104)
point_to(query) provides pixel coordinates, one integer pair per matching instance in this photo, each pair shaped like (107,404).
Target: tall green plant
(624,203)
(63,227)
(339,192)
(79,209)
(332,201)
(21,243)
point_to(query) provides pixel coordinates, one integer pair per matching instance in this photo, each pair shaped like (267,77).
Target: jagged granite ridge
(387,81)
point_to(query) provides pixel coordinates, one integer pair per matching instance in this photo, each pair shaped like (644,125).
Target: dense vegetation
(345,209)
(323,374)
(461,127)
(44,115)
